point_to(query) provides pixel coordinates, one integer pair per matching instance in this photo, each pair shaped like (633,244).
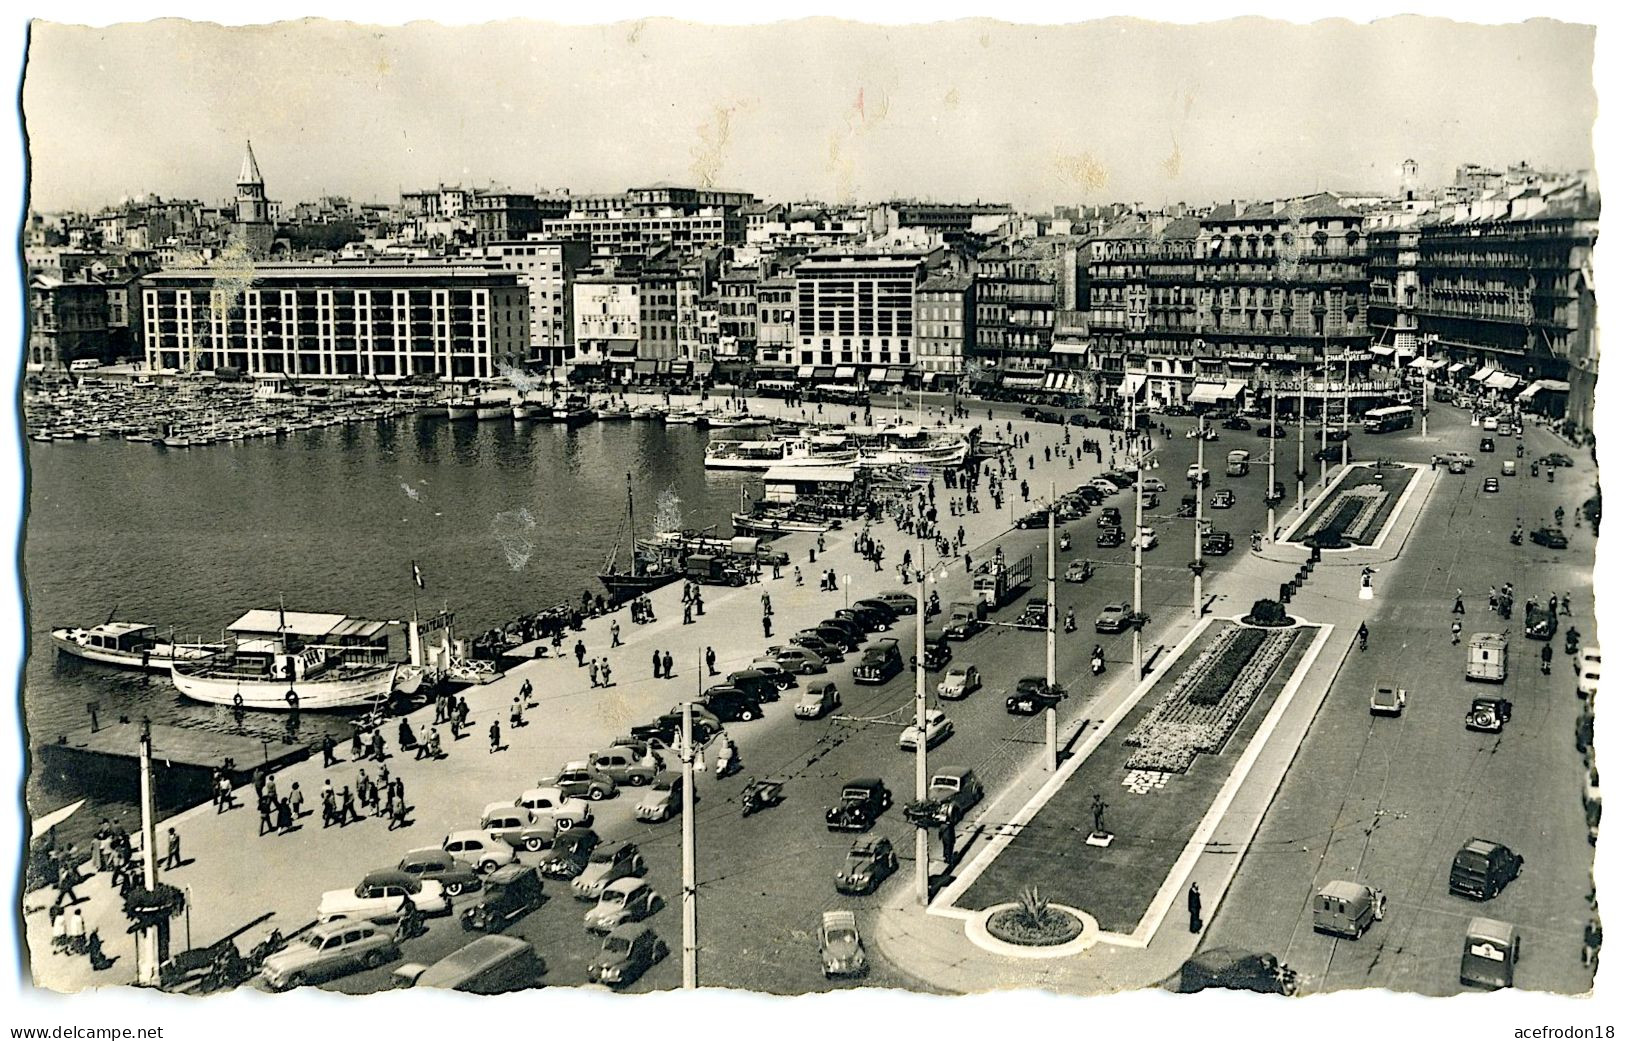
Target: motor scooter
(1071,621)
(1065,541)
(1097,662)
(728,762)
(1517,537)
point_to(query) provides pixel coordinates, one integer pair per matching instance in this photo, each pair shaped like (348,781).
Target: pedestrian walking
(603,670)
(767,625)
(1459,608)
(592,672)
(284,817)
(328,747)
(710,661)
(347,812)
(581,654)
(699,602)
(296,800)
(767,604)
(378,752)
(267,809)
(656,659)
(798,574)
(1193,902)
(615,633)
(666,661)
(355,744)
(422,748)
(688,613)
(172,851)
(1455,632)
(516,714)
(496,736)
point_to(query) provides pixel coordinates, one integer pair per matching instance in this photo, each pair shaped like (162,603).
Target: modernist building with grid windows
(338,320)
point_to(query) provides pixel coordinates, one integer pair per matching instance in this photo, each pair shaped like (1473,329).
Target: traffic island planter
(1354,512)
(1078,932)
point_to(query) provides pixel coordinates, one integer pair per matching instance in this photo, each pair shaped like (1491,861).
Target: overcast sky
(1115,110)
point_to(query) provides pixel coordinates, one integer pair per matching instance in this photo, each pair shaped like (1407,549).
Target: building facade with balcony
(547,269)
(385,321)
(501,216)
(67,321)
(776,323)
(1018,290)
(945,324)
(608,317)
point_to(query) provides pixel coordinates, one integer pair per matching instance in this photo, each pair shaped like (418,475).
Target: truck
(998,581)
(965,618)
(1487,658)
(1236,463)
(713,570)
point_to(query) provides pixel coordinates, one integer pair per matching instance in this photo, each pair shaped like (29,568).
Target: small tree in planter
(1268,613)
(1033,922)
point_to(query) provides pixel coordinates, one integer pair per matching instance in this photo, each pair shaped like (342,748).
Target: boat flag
(417,574)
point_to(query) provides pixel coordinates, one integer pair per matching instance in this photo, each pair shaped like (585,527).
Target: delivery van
(1487,658)
(1348,909)
(1489,953)
(492,964)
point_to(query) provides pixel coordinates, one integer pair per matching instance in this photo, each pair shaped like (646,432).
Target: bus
(776,388)
(1395,417)
(840,394)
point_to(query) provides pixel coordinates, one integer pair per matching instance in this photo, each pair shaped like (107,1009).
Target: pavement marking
(1006,834)
(1165,897)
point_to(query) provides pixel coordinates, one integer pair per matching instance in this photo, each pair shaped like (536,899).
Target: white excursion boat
(573,411)
(259,675)
(493,406)
(129,645)
(913,446)
(460,408)
(774,452)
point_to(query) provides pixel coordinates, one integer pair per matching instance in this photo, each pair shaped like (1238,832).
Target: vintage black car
(862,801)
(731,704)
(1033,695)
(1109,537)
(1217,543)
(1488,715)
(1236,423)
(1551,538)
(880,663)
(868,863)
(510,892)
(569,854)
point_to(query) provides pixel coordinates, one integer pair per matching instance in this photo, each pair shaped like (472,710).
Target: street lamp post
(922,855)
(1269,495)
(1139,519)
(691,919)
(1303,380)
(1201,485)
(1427,372)
(1345,405)
(1325,403)
(846,588)
(1051,754)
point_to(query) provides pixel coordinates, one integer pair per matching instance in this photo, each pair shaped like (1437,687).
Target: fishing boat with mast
(284,661)
(129,645)
(648,565)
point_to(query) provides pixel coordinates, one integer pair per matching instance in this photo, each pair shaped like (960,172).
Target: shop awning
(1205,394)
(1458,366)
(928,378)
(646,365)
(885,375)
(1502,381)
(1482,374)
(1070,348)
(846,372)
(1554,386)
(704,368)
(1132,384)
(1426,364)
(1382,351)
(805,372)
(1232,389)
(1404,350)
(824,372)
(1022,379)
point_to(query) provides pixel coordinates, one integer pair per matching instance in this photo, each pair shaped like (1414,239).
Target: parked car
(510,893)
(1078,571)
(938,728)
(818,700)
(488,965)
(840,948)
(1033,695)
(578,780)
(1114,618)
(760,685)
(869,862)
(960,682)
(1489,715)
(1155,484)
(1387,700)
(479,850)
(1555,459)
(886,610)
(382,897)
(832,649)
(1222,499)
(1492,484)
(565,812)
(880,663)
(869,619)
(623,900)
(628,952)
(1551,538)
(851,633)
(730,704)
(1276,431)
(803,661)
(862,800)
(1035,519)
(1109,538)
(569,853)
(783,679)
(664,800)
(436,865)
(328,951)
(1482,869)
(518,827)
(1236,423)
(901,602)
(624,766)
(607,863)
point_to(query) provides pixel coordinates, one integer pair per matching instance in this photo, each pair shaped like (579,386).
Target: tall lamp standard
(922,855)
(1201,487)
(1345,405)
(1303,387)
(1269,495)
(1325,402)
(1050,752)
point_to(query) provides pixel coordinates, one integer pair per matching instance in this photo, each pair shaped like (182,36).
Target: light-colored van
(1490,953)
(490,965)
(1348,909)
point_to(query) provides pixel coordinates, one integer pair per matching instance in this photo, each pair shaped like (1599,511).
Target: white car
(961,681)
(1146,539)
(480,850)
(1590,672)
(623,900)
(1457,457)
(938,728)
(380,898)
(548,801)
(1155,484)
(1387,701)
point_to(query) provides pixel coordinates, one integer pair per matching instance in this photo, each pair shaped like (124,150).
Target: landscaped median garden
(1357,508)
(1182,739)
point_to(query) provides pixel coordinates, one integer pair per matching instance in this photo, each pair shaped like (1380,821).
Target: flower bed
(1012,925)
(1356,510)
(1208,700)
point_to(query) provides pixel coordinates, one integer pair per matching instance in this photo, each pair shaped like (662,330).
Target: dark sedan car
(437,865)
(1551,538)
(1272,431)
(1033,695)
(854,632)
(813,640)
(1109,537)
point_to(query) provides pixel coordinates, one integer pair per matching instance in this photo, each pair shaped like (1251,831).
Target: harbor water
(503,518)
